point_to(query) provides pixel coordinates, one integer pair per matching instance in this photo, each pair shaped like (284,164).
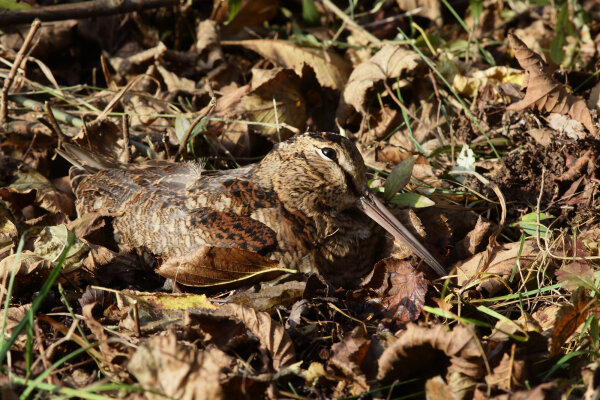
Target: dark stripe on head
(350,183)
(327,137)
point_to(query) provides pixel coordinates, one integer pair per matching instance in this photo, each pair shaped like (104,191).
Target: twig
(125,156)
(80,10)
(53,124)
(352,25)
(113,102)
(13,71)
(203,114)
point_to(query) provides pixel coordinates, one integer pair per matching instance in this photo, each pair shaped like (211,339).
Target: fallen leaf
(24,180)
(509,374)
(332,70)
(420,348)
(568,319)
(430,9)
(388,63)
(245,13)
(437,389)
(576,274)
(166,367)
(167,301)
(275,90)
(347,357)
(269,298)
(272,335)
(470,84)
(209,266)
(502,261)
(542,92)
(396,288)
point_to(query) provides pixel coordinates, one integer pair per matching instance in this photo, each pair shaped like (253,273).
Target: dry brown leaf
(397,288)
(207,44)
(250,13)
(429,9)
(331,69)
(545,391)
(208,266)
(542,92)
(272,336)
(416,351)
(14,316)
(388,63)
(24,181)
(509,374)
(542,136)
(176,83)
(177,370)
(270,298)
(568,319)
(97,329)
(476,239)
(501,264)
(284,87)
(437,389)
(347,357)
(8,229)
(104,136)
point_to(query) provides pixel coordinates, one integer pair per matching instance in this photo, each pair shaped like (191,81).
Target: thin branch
(352,25)
(13,71)
(203,114)
(84,9)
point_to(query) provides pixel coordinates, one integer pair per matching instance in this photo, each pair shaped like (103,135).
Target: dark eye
(328,153)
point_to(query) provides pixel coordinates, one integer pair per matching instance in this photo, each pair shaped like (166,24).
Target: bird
(305,206)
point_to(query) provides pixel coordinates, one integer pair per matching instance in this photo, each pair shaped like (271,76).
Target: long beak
(376,210)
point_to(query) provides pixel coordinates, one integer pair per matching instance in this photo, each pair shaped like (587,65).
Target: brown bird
(299,208)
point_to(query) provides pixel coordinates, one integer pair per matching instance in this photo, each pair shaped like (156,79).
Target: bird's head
(317,172)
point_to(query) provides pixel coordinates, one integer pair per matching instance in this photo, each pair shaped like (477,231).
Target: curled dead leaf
(544,93)
(25,181)
(388,63)
(272,336)
(420,347)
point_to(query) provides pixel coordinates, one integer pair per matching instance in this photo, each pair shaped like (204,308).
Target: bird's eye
(327,153)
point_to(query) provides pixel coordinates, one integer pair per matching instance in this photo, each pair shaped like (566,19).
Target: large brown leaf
(208,266)
(331,69)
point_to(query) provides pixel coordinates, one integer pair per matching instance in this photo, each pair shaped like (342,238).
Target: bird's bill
(376,210)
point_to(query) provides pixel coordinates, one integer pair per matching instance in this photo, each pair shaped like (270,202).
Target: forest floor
(477,121)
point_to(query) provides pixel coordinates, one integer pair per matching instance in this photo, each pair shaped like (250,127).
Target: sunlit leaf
(399,177)
(413,200)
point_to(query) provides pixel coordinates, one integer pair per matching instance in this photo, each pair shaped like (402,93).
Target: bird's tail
(84,162)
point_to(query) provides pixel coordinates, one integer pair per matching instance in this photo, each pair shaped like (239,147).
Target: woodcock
(299,207)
